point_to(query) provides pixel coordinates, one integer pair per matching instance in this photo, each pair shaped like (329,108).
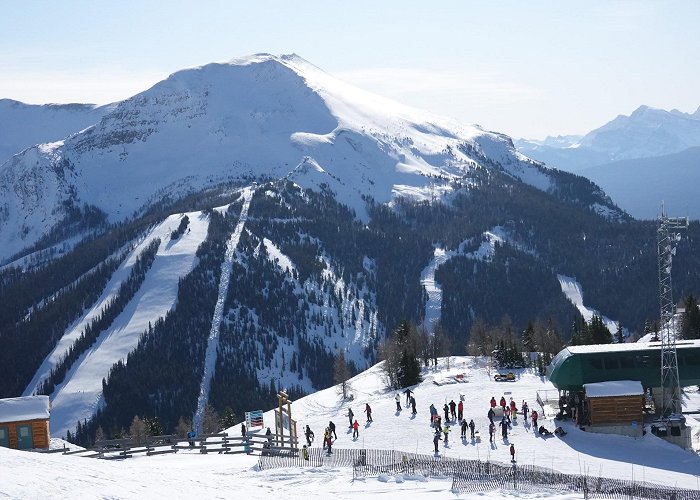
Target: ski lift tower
(668,237)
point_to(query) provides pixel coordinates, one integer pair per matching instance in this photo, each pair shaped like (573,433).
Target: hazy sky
(523,67)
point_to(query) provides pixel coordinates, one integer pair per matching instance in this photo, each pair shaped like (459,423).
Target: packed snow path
(79,396)
(213,343)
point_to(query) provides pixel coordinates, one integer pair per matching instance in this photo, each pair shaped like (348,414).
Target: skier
(446,409)
(534,419)
(268,445)
(544,432)
(525,410)
(446,432)
(350,415)
(305,453)
(463,435)
(408,393)
(504,428)
(471,427)
(355,430)
(413,405)
(309,435)
(502,403)
(438,424)
(460,410)
(331,428)
(368,411)
(242,430)
(433,414)
(453,409)
(493,402)
(436,440)
(506,414)
(328,440)
(513,406)
(491,414)
(512,452)
(492,431)
(190,437)
(397,398)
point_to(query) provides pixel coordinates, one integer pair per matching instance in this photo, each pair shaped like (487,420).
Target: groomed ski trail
(213,342)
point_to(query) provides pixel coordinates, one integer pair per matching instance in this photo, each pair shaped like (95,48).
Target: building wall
(40,432)
(616,410)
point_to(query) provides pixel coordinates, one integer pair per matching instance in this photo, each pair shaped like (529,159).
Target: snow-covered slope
(80,394)
(261,116)
(646,133)
(189,474)
(24,125)
(573,291)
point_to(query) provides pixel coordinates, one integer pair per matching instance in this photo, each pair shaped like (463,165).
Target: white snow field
(189,474)
(79,395)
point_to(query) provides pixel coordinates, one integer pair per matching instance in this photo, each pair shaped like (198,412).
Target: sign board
(254,419)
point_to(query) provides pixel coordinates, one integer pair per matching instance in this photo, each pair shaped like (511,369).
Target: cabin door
(4,437)
(24,437)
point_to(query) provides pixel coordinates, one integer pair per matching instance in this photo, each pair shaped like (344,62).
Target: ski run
(213,342)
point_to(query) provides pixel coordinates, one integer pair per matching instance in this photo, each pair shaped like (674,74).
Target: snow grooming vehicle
(504,377)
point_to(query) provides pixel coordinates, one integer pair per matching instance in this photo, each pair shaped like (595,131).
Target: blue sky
(526,68)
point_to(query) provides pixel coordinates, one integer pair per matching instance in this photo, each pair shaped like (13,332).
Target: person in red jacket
(503,402)
(534,419)
(355,430)
(493,402)
(460,411)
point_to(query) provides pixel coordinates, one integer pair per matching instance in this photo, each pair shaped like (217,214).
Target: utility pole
(670,381)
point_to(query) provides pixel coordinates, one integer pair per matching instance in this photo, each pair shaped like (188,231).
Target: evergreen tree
(690,325)
(619,334)
(228,419)
(529,337)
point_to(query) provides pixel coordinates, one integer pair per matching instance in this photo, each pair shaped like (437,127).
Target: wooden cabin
(24,422)
(615,403)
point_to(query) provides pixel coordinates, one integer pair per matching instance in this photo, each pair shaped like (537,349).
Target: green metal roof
(578,365)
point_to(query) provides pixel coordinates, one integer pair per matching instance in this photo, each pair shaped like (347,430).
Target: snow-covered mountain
(262,116)
(24,125)
(647,132)
(271,218)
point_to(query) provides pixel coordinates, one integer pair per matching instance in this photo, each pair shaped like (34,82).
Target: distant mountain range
(653,156)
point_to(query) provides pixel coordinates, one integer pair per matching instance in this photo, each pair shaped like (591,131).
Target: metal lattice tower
(670,382)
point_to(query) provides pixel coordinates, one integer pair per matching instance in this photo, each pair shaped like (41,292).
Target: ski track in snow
(60,351)
(80,394)
(213,342)
(485,251)
(573,291)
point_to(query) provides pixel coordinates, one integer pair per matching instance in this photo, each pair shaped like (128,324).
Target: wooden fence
(252,444)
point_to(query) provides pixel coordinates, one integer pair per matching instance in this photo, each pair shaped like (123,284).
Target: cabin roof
(614,388)
(575,366)
(24,408)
